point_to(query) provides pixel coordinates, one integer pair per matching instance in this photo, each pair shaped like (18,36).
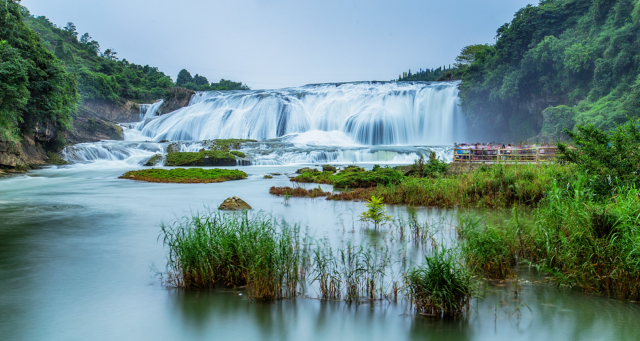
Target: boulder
(234,204)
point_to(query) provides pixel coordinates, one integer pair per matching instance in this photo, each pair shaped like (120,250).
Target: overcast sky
(281,43)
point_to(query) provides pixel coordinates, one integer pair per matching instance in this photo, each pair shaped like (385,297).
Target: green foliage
(35,90)
(556,120)
(488,250)
(441,286)
(376,212)
(430,75)
(578,238)
(382,176)
(610,160)
(433,168)
(200,83)
(188,175)
(498,186)
(237,153)
(560,63)
(153,161)
(101,76)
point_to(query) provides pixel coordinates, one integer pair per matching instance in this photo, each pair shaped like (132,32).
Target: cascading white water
(148,112)
(376,122)
(369,113)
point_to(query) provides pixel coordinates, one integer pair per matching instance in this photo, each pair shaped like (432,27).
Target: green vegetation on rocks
(203,158)
(188,175)
(237,153)
(154,160)
(350,177)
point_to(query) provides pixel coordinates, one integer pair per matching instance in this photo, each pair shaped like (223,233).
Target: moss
(188,175)
(153,160)
(268,176)
(350,177)
(173,148)
(225,144)
(238,153)
(202,158)
(54,159)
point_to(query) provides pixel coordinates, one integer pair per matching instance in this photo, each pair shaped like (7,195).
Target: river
(79,253)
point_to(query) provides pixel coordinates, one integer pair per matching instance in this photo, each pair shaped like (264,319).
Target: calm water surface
(78,249)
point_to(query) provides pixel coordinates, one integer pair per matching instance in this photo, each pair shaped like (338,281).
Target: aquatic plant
(234,250)
(498,186)
(441,286)
(579,239)
(185,175)
(488,250)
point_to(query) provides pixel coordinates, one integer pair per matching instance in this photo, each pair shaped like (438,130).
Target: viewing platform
(505,155)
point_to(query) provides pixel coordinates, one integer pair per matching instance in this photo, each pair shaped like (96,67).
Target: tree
(468,55)
(200,80)
(71,29)
(184,77)
(610,159)
(376,213)
(85,38)
(13,90)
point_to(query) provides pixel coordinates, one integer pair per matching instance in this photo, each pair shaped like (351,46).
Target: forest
(555,66)
(47,73)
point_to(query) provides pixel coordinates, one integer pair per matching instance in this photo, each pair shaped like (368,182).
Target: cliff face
(95,121)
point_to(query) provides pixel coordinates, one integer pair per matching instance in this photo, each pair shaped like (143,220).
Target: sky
(281,43)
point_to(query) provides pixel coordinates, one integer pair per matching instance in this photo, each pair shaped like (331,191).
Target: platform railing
(507,155)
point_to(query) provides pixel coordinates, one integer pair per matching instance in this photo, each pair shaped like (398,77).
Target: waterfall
(368,113)
(148,112)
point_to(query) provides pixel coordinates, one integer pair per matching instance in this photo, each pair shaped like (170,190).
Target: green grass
(498,186)
(350,177)
(188,175)
(207,249)
(441,286)
(203,158)
(580,239)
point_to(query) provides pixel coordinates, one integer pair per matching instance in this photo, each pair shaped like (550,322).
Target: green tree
(13,90)
(184,77)
(376,212)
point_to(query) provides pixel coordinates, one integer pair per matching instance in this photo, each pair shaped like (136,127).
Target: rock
(154,160)
(329,168)
(173,148)
(175,98)
(307,170)
(234,204)
(267,176)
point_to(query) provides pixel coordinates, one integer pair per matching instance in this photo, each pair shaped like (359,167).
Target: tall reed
(234,250)
(441,286)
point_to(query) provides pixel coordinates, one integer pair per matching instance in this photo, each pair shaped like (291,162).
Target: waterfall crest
(369,113)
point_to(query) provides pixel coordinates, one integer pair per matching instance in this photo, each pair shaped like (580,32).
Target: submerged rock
(234,204)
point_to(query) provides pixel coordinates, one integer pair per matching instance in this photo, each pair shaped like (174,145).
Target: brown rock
(234,204)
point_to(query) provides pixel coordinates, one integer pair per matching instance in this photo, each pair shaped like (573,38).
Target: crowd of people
(481,152)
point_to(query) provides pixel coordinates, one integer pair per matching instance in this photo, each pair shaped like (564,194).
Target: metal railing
(508,155)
